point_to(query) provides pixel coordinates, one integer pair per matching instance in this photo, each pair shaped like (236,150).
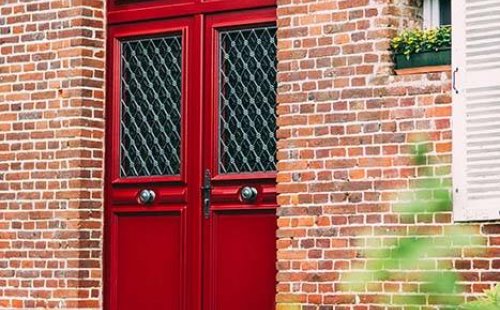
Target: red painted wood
(154,250)
(213,23)
(148,10)
(243,270)
(231,193)
(164,194)
(149,260)
(166,255)
(147,29)
(239,238)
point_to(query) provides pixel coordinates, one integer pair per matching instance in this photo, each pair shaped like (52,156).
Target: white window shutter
(476,109)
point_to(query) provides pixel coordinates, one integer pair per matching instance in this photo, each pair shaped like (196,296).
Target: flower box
(441,57)
(422,50)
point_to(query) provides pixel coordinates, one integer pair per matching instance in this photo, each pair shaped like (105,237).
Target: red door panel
(152,245)
(244,247)
(149,260)
(191,97)
(240,235)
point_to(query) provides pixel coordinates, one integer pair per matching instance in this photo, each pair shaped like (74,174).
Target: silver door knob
(146,196)
(248,193)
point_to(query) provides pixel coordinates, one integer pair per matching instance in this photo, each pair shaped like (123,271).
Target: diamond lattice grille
(151,106)
(247,99)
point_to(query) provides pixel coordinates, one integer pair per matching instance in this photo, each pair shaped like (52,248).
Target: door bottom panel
(244,256)
(148,260)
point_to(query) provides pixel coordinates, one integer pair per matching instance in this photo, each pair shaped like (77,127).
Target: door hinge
(206,192)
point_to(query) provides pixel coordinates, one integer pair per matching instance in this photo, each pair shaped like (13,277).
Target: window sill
(421,70)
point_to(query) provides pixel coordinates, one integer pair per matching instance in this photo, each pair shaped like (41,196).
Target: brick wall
(51,151)
(346,126)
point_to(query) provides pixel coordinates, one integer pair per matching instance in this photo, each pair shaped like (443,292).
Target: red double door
(190,188)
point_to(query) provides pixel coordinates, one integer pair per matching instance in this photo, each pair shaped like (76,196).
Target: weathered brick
(362,165)
(37,189)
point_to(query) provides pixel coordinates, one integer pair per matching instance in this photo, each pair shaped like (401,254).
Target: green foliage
(414,41)
(414,254)
(490,301)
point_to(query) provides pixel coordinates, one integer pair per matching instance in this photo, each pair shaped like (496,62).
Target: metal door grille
(151,80)
(247,100)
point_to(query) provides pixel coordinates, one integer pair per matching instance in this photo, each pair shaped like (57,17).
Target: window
(151,106)
(247,102)
(437,13)
(476,110)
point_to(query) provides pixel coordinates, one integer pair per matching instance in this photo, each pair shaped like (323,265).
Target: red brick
(56,268)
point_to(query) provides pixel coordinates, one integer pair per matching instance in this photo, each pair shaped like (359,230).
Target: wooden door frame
(220,21)
(162,9)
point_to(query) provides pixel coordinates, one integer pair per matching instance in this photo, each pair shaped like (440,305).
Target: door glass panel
(151,106)
(247,100)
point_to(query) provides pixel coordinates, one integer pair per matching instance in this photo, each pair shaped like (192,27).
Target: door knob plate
(146,196)
(248,193)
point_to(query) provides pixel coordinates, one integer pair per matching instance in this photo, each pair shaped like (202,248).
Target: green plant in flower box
(417,47)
